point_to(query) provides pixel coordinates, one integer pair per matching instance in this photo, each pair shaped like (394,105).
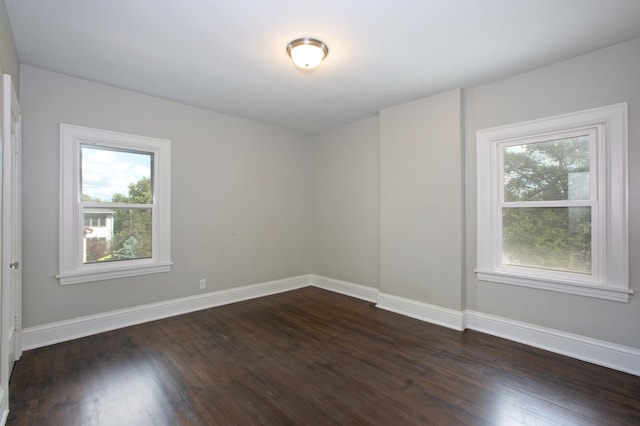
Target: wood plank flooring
(310,357)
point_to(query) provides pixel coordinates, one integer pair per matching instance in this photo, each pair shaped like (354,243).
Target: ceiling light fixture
(307,52)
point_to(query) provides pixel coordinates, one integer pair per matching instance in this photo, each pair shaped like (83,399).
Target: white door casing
(11,249)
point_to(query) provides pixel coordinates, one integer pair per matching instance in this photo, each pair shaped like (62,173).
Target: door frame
(11,248)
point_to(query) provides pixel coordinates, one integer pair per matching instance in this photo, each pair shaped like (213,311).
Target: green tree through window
(535,232)
(132,223)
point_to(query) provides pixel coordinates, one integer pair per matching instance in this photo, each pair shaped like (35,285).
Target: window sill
(577,288)
(113,273)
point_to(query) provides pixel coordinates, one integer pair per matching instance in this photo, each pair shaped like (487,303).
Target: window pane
(112,175)
(547,238)
(545,171)
(126,234)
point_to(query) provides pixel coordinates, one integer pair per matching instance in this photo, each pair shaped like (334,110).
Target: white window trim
(611,275)
(72,269)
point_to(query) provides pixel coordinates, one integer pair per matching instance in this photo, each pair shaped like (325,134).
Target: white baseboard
(343,287)
(438,315)
(599,352)
(49,334)
(4,403)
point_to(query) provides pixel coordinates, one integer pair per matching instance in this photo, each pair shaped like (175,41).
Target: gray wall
(345,192)
(241,207)
(247,197)
(599,78)
(421,241)
(8,55)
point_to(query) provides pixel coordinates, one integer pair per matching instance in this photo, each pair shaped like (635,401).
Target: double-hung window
(552,206)
(115,205)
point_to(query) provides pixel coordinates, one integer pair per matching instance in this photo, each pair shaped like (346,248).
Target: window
(115,205)
(552,206)
(93,219)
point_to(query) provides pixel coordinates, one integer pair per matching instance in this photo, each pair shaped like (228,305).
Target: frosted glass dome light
(307,53)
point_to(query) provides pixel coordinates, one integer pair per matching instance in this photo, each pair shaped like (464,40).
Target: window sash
(82,205)
(558,273)
(595,138)
(89,266)
(595,134)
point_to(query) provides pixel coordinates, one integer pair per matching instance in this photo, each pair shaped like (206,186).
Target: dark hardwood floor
(310,357)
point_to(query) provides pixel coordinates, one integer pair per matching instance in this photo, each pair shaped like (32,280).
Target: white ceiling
(229,56)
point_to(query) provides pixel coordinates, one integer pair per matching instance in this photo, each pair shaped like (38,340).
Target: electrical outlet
(203,284)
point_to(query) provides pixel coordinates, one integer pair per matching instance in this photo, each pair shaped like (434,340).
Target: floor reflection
(536,404)
(130,394)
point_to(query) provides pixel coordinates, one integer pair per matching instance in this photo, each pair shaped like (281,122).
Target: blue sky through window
(106,171)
